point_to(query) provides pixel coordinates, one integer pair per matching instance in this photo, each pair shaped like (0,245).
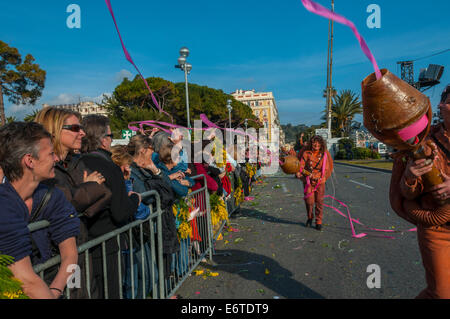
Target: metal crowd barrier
(149,253)
(124,236)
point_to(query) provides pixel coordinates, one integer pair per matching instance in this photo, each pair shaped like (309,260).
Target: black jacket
(144,180)
(89,197)
(122,207)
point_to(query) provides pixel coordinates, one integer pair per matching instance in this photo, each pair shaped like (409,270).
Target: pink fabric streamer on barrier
(326,13)
(128,57)
(204,119)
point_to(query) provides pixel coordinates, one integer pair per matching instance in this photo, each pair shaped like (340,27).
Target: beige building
(84,108)
(264,108)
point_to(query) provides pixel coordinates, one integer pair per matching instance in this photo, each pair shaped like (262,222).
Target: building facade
(264,108)
(84,108)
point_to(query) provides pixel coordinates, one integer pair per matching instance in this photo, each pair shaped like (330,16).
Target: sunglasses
(109,135)
(74,127)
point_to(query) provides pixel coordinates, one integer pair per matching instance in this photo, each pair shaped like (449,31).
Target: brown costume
(413,203)
(312,162)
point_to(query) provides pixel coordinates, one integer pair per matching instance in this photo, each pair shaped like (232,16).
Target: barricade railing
(142,258)
(137,279)
(195,248)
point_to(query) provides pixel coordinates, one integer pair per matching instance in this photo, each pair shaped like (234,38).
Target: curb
(366,167)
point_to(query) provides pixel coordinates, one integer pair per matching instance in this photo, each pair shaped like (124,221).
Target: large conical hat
(290,164)
(391,105)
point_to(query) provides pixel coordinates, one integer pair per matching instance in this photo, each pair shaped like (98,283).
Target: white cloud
(123,74)
(19,111)
(67,98)
(64,98)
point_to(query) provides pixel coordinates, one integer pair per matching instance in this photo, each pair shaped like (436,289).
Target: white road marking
(370,187)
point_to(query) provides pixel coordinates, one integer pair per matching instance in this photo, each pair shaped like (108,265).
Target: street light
(186,67)
(229,107)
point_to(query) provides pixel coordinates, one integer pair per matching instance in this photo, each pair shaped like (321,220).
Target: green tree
(131,102)
(11,119)
(22,81)
(30,117)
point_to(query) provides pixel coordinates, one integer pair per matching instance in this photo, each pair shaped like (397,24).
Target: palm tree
(11,119)
(345,106)
(30,117)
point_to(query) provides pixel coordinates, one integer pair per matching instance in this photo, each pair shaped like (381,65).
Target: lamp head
(184,52)
(188,67)
(181,60)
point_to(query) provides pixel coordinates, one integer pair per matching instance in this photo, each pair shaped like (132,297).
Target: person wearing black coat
(145,176)
(97,157)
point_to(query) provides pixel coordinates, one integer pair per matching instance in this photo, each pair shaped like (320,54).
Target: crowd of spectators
(62,168)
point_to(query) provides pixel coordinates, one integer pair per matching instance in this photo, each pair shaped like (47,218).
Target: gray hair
(18,139)
(96,128)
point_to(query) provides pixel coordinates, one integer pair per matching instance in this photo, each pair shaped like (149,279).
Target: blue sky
(264,45)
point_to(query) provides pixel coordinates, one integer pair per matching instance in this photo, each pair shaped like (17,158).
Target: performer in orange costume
(412,201)
(314,175)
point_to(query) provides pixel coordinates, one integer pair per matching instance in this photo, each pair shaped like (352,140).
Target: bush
(365,153)
(344,142)
(340,155)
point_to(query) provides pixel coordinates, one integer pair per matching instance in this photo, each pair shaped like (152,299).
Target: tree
(21,81)
(11,119)
(345,106)
(30,117)
(131,101)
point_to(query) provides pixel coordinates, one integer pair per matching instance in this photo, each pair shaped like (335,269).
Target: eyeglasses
(74,127)
(110,135)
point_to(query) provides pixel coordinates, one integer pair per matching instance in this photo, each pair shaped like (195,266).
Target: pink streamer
(128,57)
(204,119)
(326,13)
(351,220)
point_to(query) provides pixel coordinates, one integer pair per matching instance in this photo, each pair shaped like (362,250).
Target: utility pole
(329,91)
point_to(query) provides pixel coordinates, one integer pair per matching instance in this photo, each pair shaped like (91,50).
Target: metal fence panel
(146,262)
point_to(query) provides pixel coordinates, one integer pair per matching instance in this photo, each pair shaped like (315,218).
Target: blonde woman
(83,190)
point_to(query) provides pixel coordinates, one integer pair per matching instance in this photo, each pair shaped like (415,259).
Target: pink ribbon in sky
(128,57)
(326,13)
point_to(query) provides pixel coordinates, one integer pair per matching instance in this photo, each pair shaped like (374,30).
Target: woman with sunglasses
(428,209)
(84,190)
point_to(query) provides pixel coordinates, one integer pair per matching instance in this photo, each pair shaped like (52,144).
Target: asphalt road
(273,255)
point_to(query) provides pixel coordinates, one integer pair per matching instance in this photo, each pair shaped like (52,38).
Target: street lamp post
(229,107)
(186,67)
